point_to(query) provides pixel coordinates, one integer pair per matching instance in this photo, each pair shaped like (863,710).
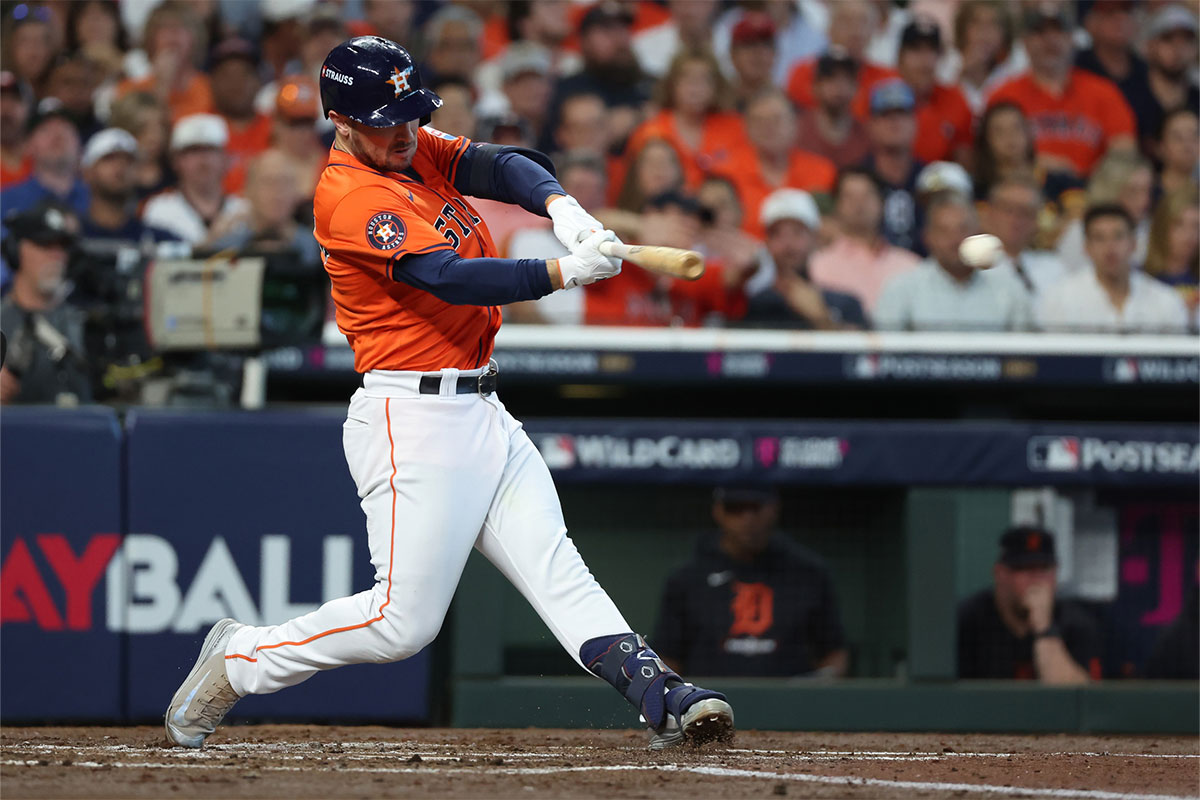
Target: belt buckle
(486,383)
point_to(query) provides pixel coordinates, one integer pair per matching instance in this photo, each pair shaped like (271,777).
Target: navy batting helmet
(374,81)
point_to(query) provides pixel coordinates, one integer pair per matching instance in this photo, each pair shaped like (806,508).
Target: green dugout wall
(900,561)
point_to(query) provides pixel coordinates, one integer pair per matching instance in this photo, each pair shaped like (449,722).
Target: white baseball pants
(437,475)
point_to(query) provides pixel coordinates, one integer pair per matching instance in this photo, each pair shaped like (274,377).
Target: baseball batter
(440,465)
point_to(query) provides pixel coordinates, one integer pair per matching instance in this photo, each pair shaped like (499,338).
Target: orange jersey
(1076,125)
(807,171)
(722,143)
(244,144)
(944,124)
(636,297)
(195,98)
(366,221)
(800,84)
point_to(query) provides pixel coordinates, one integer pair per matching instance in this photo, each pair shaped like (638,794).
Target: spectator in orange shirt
(722,238)
(638,297)
(175,43)
(656,169)
(829,129)
(15,164)
(859,260)
(234,77)
(752,53)
(1076,116)
(943,117)
(775,161)
(850,25)
(295,133)
(693,95)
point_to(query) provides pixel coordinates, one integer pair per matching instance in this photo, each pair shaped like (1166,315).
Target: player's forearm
(476,281)
(1054,664)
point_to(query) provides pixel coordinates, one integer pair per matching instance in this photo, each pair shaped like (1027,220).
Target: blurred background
(862,483)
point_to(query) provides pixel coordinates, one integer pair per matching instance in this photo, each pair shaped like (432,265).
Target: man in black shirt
(1017,629)
(751,602)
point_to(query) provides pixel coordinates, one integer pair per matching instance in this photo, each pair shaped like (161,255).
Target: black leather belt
(484,384)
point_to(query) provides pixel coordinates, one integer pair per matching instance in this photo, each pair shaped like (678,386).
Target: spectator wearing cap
(527,84)
(850,26)
(295,133)
(53,146)
(1170,59)
(233,73)
(610,69)
(829,129)
(859,260)
(199,202)
(111,220)
(281,39)
(689,25)
(751,601)
(15,163)
(983,55)
(46,361)
(942,293)
(1010,213)
(694,119)
(1112,28)
(791,220)
(1076,116)
(1111,296)
(175,43)
(323,31)
(943,176)
(893,130)
(638,297)
(774,161)
(752,53)
(798,34)
(391,19)
(1017,628)
(944,119)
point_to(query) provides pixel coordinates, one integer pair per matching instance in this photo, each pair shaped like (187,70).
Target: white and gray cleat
(205,696)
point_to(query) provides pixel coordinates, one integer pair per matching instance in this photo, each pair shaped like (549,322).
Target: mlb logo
(1125,370)
(864,367)
(1053,453)
(558,451)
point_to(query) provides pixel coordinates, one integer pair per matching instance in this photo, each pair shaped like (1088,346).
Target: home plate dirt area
(334,762)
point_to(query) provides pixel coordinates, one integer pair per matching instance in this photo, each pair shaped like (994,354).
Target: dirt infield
(301,761)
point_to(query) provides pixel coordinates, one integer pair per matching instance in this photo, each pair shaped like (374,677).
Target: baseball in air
(980,251)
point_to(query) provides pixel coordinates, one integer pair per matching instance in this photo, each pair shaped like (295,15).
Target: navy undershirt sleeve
(473,281)
(512,178)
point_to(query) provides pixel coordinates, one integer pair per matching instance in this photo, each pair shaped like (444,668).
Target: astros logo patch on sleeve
(385,231)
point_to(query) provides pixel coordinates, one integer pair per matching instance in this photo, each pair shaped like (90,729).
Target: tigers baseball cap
(834,60)
(921,31)
(1026,546)
(892,95)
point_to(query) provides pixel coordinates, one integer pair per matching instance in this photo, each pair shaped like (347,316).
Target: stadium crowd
(826,157)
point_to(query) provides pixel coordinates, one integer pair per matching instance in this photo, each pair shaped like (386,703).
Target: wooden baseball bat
(686,264)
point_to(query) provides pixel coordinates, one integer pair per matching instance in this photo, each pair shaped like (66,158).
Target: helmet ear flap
(11,251)
(425,120)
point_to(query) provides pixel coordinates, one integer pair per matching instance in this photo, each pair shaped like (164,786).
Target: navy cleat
(695,716)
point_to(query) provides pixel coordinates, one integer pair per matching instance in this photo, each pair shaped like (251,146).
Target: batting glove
(571,223)
(587,264)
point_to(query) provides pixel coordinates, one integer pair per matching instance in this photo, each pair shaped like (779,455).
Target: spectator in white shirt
(198,203)
(944,294)
(1011,214)
(1110,296)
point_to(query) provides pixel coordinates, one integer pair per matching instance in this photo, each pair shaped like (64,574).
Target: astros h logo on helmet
(399,80)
